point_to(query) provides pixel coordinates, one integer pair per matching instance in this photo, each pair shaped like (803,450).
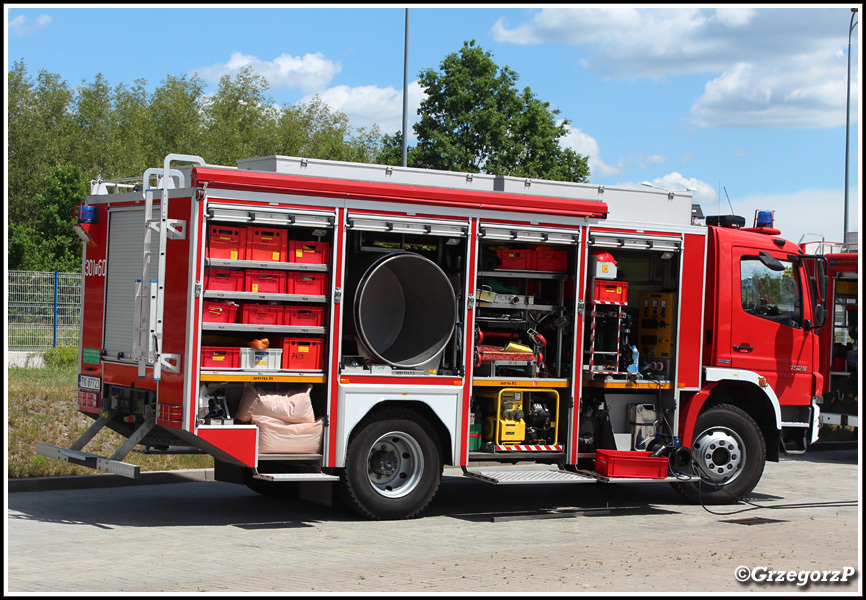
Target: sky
(745,104)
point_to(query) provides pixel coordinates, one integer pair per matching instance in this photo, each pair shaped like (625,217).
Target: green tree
(474,119)
(240,119)
(174,120)
(50,244)
(39,131)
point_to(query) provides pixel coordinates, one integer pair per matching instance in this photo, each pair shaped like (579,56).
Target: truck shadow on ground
(224,504)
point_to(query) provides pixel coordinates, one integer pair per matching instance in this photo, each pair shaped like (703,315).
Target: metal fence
(44,310)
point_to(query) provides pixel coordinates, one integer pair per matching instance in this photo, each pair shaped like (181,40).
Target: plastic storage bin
(306,284)
(218,357)
(544,259)
(314,253)
(265,281)
(515,260)
(269,359)
(611,291)
(226,242)
(262,314)
(266,244)
(219,312)
(302,354)
(624,463)
(224,280)
(305,316)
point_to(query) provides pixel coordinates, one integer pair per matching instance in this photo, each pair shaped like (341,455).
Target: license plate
(87,382)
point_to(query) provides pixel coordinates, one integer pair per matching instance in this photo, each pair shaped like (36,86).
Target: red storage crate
(218,357)
(306,284)
(225,280)
(611,291)
(262,314)
(265,281)
(219,312)
(625,463)
(266,244)
(549,260)
(515,260)
(305,316)
(302,354)
(226,242)
(311,253)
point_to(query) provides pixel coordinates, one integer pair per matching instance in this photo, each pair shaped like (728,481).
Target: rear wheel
(393,467)
(728,453)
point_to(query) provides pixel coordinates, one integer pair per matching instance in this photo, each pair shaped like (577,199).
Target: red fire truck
(354,328)
(839,364)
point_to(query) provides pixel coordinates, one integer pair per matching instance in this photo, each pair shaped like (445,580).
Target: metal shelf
(245,327)
(266,297)
(524,274)
(261,264)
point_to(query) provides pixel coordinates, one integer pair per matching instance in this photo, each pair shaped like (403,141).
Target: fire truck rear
(350,328)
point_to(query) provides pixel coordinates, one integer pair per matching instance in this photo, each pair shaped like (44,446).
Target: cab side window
(771,295)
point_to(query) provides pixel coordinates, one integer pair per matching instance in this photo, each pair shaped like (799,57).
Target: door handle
(744,347)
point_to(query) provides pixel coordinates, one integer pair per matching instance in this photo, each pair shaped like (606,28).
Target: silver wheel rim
(395,464)
(720,454)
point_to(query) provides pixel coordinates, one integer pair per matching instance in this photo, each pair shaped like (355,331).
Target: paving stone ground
(213,537)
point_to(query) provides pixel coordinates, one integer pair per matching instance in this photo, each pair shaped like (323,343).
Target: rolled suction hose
(404,310)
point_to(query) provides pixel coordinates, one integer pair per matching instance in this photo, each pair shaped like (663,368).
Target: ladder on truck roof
(150,293)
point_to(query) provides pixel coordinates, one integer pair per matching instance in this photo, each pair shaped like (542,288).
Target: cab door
(768,335)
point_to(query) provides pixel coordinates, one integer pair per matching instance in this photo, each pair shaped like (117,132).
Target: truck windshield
(772,295)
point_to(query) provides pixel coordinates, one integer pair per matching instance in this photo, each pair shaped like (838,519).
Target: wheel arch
(743,390)
(419,407)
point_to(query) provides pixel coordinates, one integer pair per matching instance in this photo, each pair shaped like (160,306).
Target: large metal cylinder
(404,310)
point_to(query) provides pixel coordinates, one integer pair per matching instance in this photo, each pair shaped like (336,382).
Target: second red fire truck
(357,327)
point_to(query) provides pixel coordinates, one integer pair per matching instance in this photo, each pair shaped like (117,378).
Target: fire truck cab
(357,327)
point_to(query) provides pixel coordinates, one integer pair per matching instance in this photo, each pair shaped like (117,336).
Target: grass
(41,407)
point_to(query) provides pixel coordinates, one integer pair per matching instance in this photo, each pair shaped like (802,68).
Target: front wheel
(728,453)
(393,467)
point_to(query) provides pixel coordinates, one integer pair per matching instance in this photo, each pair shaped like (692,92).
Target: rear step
(286,477)
(113,464)
(516,477)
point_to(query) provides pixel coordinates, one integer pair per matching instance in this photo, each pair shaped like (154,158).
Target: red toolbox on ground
(302,354)
(311,253)
(611,291)
(262,314)
(226,242)
(224,280)
(265,281)
(306,284)
(219,312)
(625,463)
(267,244)
(218,357)
(305,316)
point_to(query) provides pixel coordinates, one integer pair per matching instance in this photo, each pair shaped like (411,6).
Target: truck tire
(393,467)
(728,453)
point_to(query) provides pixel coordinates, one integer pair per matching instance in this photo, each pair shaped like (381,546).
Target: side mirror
(820,316)
(770,262)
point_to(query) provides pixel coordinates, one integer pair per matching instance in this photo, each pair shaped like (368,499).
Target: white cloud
(310,73)
(586,145)
(772,67)
(702,192)
(369,104)
(754,96)
(21,25)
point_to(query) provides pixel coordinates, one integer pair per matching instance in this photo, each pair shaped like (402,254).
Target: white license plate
(89,383)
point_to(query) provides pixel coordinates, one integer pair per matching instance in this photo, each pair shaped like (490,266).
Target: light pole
(404,142)
(847,123)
